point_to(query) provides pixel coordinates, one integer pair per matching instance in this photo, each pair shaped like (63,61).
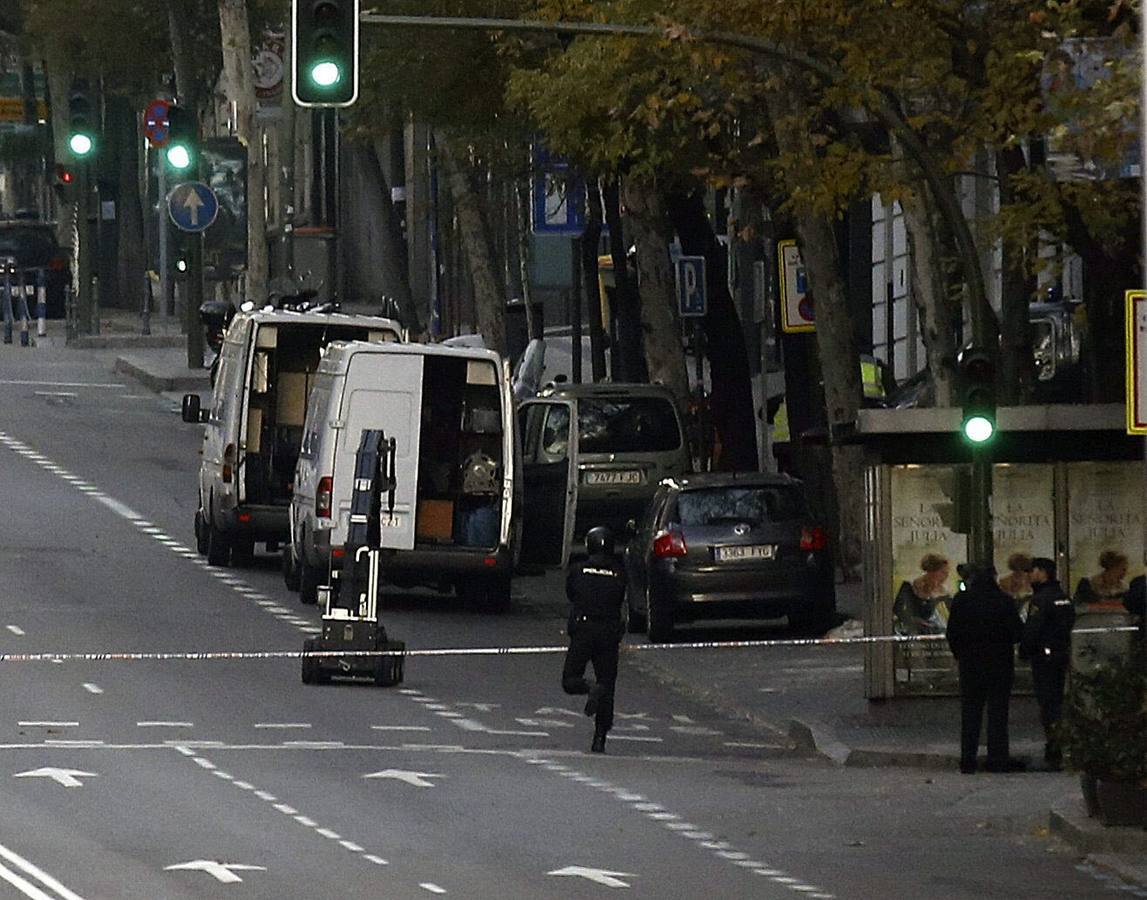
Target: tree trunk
(664,355)
(731,398)
(474,233)
(235,30)
(627,357)
(930,288)
(836,347)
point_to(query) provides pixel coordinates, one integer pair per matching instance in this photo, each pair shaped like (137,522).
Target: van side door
(550,477)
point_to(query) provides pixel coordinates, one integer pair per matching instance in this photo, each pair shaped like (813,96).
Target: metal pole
(84,238)
(981,537)
(41,303)
(575,313)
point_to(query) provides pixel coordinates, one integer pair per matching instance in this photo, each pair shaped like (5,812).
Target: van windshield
(627,425)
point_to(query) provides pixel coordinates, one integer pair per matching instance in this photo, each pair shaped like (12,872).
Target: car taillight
(669,543)
(813,538)
(58,264)
(228,463)
(323,497)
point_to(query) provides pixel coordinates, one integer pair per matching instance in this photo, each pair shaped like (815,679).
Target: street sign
(192,206)
(797,313)
(557,195)
(155,123)
(692,301)
(1136,361)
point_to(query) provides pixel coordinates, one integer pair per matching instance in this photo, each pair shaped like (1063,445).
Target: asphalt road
(124,778)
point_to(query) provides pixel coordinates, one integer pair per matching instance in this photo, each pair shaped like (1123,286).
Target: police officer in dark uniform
(1046,642)
(596,590)
(983,628)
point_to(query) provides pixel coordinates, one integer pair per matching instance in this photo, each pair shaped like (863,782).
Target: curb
(160,384)
(1069,821)
(126,341)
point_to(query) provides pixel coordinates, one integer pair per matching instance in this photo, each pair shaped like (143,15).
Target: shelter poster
(1023,513)
(1105,528)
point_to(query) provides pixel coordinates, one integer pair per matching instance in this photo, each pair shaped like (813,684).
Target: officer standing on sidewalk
(1046,642)
(596,590)
(983,629)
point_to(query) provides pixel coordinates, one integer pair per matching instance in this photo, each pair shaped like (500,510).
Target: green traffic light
(179,157)
(80,144)
(326,73)
(979,429)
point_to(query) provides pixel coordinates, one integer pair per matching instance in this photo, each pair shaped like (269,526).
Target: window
(555,442)
(755,505)
(627,425)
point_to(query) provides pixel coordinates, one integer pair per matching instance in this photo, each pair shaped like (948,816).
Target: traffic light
(324,50)
(64,182)
(978,394)
(81,119)
(182,145)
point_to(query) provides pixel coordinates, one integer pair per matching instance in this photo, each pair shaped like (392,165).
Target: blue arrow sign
(192,206)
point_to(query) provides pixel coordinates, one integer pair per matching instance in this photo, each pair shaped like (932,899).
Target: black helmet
(599,540)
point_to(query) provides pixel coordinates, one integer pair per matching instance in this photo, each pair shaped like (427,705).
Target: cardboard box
(435,520)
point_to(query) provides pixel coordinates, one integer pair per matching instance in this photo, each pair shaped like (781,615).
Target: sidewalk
(812,694)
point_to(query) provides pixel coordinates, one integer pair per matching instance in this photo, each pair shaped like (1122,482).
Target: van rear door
(383,391)
(550,480)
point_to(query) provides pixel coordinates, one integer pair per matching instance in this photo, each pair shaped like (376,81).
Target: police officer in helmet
(1046,642)
(596,591)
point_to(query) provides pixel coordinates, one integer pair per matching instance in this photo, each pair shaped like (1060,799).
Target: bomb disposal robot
(350,620)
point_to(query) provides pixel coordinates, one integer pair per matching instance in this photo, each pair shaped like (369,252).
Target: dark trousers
(595,642)
(991,684)
(1049,678)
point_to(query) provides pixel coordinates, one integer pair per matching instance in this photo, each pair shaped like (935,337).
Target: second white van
(450,410)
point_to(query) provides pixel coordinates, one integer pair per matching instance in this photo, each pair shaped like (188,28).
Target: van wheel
(200,533)
(218,547)
(290,571)
(312,674)
(243,552)
(388,669)
(308,583)
(660,622)
(496,594)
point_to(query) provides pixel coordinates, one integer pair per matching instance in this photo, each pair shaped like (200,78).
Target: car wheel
(312,674)
(495,596)
(635,621)
(218,547)
(243,552)
(660,621)
(290,570)
(200,533)
(817,618)
(309,583)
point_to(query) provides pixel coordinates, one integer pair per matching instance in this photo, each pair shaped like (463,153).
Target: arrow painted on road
(67,777)
(194,203)
(414,779)
(224,872)
(600,876)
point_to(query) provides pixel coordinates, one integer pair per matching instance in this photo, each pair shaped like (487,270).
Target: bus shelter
(1068,484)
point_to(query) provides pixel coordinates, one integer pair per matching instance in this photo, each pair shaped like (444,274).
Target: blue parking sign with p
(691,297)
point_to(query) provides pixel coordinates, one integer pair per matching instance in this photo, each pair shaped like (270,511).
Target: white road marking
(48,724)
(16,630)
(164,724)
(328,834)
(282,724)
(119,508)
(76,384)
(92,688)
(303,820)
(377,860)
(635,737)
(414,779)
(55,394)
(223,872)
(286,810)
(352,846)
(433,888)
(36,872)
(400,728)
(69,778)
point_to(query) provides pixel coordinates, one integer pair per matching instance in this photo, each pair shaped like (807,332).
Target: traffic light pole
(83,238)
(981,538)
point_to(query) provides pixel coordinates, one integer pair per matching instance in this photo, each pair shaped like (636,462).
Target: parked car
(254,427)
(725,546)
(33,246)
(451,413)
(628,438)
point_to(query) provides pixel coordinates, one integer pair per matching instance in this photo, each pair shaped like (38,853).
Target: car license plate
(744,551)
(627,476)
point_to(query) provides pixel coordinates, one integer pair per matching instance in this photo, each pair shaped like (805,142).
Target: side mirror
(192,411)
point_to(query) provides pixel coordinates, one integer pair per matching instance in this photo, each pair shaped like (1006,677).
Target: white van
(451,411)
(254,427)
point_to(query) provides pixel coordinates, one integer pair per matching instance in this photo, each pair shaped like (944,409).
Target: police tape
(230,655)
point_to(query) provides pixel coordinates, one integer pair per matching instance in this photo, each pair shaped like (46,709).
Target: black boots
(598,745)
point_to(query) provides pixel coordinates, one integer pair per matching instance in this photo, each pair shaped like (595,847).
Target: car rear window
(30,246)
(757,505)
(627,425)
